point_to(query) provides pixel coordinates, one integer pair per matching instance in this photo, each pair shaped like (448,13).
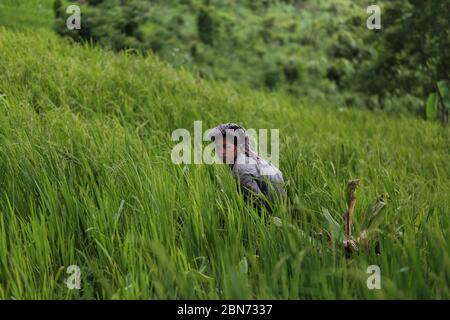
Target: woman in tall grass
(260,181)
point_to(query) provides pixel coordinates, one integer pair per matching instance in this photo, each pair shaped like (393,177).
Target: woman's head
(225,137)
(226,151)
(230,139)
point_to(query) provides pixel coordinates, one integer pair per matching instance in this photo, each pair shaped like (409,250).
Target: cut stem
(351,187)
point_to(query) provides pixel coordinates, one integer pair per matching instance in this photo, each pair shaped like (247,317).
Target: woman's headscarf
(237,131)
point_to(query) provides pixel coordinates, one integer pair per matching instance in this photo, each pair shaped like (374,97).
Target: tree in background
(111,23)
(206,26)
(413,50)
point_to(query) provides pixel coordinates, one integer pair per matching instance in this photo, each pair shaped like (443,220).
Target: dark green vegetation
(86,179)
(320,50)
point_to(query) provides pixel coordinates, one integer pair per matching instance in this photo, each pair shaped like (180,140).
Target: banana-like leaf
(431,107)
(372,216)
(333,226)
(444,92)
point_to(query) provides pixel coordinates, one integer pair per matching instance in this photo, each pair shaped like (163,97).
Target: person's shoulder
(268,169)
(245,165)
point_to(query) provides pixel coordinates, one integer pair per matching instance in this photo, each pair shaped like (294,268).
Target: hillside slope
(26,14)
(86,179)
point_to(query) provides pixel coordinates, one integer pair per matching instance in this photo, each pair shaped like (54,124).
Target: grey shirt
(258,177)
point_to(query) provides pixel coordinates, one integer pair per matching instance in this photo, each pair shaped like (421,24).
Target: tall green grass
(86,179)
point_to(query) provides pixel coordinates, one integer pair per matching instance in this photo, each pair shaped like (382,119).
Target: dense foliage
(319,50)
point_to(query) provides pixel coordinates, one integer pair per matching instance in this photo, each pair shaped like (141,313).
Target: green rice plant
(86,179)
